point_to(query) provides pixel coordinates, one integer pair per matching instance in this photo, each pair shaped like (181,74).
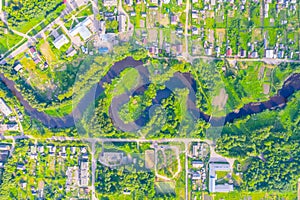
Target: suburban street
(92,141)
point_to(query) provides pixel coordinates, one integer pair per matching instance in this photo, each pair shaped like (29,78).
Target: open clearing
(47,52)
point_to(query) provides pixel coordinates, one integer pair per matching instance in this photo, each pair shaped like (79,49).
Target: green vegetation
(273,163)
(8,41)
(129,79)
(47,173)
(237,195)
(26,14)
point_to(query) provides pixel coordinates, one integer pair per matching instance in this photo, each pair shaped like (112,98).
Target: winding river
(179,80)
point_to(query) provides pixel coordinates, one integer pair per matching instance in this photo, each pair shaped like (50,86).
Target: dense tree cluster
(115,181)
(26,10)
(269,143)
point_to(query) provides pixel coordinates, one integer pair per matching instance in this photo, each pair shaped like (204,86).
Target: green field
(237,195)
(9,40)
(129,79)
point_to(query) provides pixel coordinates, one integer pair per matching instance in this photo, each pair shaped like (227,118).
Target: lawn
(86,11)
(246,87)
(59,111)
(163,188)
(38,78)
(9,40)
(237,195)
(129,79)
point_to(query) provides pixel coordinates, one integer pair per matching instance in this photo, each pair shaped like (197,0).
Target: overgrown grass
(9,40)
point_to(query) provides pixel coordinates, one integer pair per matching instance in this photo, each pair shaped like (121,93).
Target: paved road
(121,10)
(186,170)
(96,14)
(94,167)
(187,11)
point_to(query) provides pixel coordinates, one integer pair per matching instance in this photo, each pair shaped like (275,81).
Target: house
(197,164)
(72,180)
(212,186)
(223,188)
(196,176)
(280,54)
(152,50)
(23,184)
(83,31)
(37,60)
(179,31)
(196,150)
(179,2)
(218,49)
(122,23)
(84,173)
(229,52)
(269,53)
(243,53)
(18,67)
(51,149)
(4,147)
(195,30)
(73,150)
(60,41)
(208,51)
(153,7)
(179,49)
(33,52)
(63,149)
(266,10)
(40,149)
(71,52)
(129,2)
(174,19)
(195,14)
(126,192)
(254,54)
(4,108)
(21,166)
(102,26)
(110,3)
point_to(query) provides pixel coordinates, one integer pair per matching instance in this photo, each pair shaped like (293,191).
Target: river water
(179,80)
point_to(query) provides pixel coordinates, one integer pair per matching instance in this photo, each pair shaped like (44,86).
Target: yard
(46,51)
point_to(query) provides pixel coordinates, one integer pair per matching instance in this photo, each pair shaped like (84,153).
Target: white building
(269,53)
(18,67)
(4,108)
(110,2)
(82,29)
(212,187)
(60,41)
(197,164)
(84,173)
(122,23)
